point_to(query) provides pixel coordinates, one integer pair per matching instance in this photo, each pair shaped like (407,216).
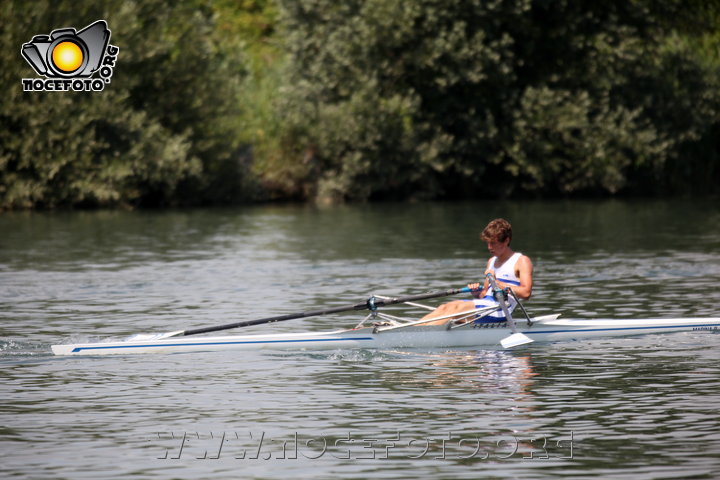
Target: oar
(517,338)
(370,304)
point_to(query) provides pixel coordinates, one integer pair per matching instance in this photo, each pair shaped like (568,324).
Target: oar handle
(500,298)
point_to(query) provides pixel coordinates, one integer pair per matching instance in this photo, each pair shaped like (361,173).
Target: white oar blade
(515,340)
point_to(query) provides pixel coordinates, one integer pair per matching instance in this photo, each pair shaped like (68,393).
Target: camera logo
(68,59)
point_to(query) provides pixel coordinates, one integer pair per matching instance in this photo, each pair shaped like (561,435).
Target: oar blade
(515,340)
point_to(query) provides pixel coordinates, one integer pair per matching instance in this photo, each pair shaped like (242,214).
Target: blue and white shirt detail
(506,274)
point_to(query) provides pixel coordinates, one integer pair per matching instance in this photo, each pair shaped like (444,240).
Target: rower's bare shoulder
(524,262)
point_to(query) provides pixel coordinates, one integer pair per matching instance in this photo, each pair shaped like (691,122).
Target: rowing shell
(543,329)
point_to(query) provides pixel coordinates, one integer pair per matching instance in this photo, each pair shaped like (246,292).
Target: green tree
(464,97)
(165,131)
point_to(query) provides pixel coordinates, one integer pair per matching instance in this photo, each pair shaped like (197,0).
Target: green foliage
(222,101)
(165,131)
(566,141)
(461,97)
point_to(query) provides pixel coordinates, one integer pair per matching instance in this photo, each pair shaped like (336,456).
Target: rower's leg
(451,308)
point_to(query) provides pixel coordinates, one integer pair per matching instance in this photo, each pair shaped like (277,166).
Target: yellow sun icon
(67,56)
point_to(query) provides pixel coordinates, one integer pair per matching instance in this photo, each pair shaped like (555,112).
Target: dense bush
(219,101)
(163,132)
(462,97)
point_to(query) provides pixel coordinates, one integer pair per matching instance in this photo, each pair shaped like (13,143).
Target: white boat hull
(545,329)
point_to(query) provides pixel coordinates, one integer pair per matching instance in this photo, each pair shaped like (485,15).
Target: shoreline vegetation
(220,102)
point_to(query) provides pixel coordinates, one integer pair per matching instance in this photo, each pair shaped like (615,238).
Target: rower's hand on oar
(498,285)
(475,289)
(506,293)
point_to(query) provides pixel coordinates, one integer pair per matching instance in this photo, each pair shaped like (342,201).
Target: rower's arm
(525,273)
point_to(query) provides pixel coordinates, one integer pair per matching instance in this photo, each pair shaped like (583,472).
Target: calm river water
(633,408)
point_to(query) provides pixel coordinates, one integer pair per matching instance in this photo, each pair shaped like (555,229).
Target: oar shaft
(421,296)
(280,318)
(371,303)
(517,338)
(500,298)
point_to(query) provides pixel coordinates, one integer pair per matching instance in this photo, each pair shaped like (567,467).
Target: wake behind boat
(467,329)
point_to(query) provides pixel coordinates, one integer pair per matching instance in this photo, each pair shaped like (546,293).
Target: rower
(511,270)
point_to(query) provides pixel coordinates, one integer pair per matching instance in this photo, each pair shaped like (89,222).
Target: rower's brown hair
(497,230)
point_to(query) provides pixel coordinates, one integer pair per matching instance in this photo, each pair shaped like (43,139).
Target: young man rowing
(511,270)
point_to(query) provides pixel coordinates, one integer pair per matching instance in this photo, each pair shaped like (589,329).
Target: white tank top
(505,273)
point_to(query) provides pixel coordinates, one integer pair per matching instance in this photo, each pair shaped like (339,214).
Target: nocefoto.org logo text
(68,59)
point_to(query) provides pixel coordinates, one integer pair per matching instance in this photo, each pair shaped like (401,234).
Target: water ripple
(638,408)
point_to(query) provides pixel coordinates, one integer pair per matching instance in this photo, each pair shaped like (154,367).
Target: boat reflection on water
(486,399)
(504,373)
(489,371)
